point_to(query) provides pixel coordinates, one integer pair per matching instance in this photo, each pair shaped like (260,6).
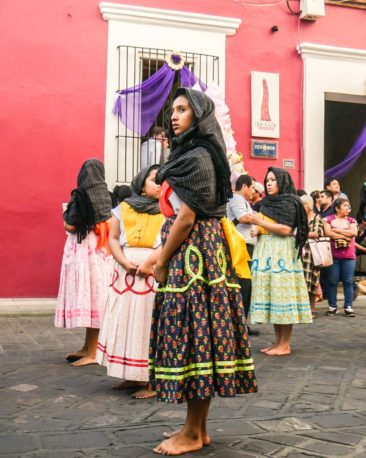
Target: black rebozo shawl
(140,203)
(91,201)
(197,169)
(286,207)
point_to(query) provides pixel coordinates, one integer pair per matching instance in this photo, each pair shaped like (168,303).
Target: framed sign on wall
(266,149)
(265,92)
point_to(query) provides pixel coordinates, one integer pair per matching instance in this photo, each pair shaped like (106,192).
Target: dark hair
(156,130)
(315,194)
(329,180)
(301,192)
(120,193)
(327,193)
(339,202)
(243,179)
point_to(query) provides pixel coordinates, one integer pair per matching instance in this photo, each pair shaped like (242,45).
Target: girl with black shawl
(86,263)
(279,293)
(199,342)
(123,345)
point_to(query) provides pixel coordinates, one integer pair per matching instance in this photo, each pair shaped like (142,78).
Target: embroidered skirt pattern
(279,293)
(83,290)
(199,342)
(123,345)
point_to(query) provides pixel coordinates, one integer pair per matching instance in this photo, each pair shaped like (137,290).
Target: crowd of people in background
(155,267)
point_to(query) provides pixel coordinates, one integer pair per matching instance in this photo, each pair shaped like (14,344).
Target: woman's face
(344,209)
(182,115)
(150,188)
(271,184)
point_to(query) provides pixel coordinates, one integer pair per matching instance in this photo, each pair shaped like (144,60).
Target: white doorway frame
(325,69)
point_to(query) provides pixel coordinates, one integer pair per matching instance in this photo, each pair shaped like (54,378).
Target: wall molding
(171,18)
(325,51)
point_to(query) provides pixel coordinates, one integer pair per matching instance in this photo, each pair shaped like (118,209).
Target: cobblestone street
(311,403)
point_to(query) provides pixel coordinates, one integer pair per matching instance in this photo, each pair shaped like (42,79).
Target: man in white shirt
(156,149)
(238,208)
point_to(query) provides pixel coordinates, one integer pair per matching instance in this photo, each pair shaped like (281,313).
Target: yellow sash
(141,229)
(238,249)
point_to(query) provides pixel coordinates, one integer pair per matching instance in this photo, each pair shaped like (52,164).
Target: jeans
(246,286)
(341,270)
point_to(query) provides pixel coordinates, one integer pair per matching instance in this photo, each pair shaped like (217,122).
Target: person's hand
(254,232)
(255,218)
(160,273)
(145,269)
(130,267)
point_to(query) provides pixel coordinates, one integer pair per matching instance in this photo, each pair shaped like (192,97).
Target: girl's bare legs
(277,333)
(75,355)
(91,348)
(189,438)
(283,346)
(206,439)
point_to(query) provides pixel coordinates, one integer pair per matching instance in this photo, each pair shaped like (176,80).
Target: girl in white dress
(134,240)
(86,263)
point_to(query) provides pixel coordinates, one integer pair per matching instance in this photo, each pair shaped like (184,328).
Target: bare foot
(127,384)
(75,355)
(144,394)
(278,351)
(206,439)
(85,361)
(178,445)
(271,347)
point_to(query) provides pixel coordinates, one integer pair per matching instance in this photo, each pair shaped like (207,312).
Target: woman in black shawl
(123,345)
(279,293)
(86,263)
(199,340)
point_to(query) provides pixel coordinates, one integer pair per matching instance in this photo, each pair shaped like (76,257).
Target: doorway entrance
(344,118)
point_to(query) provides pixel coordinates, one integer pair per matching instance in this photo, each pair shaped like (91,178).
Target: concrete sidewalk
(311,403)
(26,307)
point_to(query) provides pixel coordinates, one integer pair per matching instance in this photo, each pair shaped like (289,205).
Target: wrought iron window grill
(135,65)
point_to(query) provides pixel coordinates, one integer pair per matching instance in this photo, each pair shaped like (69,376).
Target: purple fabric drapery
(341,169)
(139,106)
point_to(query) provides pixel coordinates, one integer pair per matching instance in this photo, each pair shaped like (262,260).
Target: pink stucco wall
(52,93)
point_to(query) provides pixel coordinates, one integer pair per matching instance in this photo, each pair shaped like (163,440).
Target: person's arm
(146,267)
(351,232)
(116,249)
(70,228)
(318,229)
(360,247)
(329,232)
(240,210)
(275,228)
(180,230)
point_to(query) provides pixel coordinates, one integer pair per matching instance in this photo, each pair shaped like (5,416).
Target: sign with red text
(265,104)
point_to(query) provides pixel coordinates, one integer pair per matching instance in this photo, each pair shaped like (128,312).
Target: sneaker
(331,311)
(349,312)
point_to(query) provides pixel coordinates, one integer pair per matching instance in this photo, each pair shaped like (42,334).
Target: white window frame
(325,69)
(156,28)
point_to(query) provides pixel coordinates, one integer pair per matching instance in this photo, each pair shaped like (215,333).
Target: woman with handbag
(279,294)
(342,229)
(311,271)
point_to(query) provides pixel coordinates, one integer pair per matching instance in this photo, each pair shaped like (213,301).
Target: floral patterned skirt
(279,293)
(199,340)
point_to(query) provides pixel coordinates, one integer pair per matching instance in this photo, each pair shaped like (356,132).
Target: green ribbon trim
(197,369)
(220,257)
